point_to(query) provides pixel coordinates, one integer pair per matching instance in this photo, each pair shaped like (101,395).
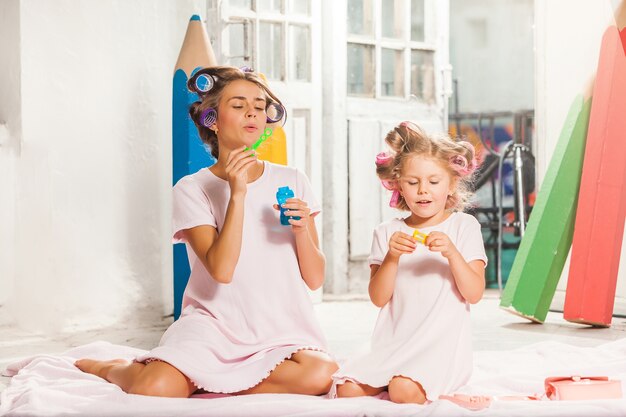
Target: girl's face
(425,185)
(241,115)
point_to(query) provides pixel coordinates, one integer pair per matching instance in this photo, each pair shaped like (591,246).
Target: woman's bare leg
(305,372)
(405,390)
(351,389)
(156,378)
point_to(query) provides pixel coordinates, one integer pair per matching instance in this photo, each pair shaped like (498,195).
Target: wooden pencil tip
(620,15)
(588,90)
(196,50)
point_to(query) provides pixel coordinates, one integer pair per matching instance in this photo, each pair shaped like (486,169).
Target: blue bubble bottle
(282,195)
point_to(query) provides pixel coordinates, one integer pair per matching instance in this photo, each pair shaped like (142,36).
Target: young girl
(247,325)
(421,345)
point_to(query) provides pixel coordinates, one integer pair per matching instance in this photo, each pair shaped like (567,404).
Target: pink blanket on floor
(50,385)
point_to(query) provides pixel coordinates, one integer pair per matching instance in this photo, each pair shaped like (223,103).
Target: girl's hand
(298,208)
(400,243)
(440,242)
(237,164)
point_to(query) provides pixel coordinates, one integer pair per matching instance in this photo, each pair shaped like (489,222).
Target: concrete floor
(347,323)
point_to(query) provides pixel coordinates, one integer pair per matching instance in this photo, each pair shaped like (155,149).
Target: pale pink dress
(231,336)
(423,332)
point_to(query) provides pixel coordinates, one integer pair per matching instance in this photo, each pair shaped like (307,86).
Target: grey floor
(347,323)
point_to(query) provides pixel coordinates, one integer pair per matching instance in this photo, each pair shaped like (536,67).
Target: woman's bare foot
(159,379)
(98,368)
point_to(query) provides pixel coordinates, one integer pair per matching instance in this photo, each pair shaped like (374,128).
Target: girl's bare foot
(98,368)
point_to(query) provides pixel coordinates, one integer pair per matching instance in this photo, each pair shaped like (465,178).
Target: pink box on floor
(582,388)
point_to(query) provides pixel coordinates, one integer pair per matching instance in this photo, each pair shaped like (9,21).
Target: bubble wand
(266,134)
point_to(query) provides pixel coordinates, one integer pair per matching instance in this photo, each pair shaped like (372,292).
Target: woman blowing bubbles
(247,325)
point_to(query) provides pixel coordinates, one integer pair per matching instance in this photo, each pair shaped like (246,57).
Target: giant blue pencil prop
(188,152)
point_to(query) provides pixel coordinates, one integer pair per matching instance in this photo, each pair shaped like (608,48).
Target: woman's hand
(440,242)
(237,164)
(310,259)
(401,243)
(297,208)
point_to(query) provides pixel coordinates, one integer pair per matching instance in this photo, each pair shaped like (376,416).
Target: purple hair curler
(275,112)
(208,117)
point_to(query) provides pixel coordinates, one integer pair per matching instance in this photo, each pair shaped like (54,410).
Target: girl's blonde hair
(222,76)
(407,140)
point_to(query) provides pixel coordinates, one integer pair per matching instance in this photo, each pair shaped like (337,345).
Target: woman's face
(241,114)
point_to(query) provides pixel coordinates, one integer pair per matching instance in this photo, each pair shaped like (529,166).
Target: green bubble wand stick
(266,134)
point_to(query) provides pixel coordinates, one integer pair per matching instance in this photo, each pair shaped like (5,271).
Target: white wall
(10,134)
(491,52)
(568,46)
(88,164)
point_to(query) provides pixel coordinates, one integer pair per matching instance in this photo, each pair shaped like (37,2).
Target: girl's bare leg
(305,372)
(405,390)
(156,378)
(351,389)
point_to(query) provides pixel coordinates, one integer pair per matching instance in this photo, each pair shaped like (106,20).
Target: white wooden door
(397,52)
(281,39)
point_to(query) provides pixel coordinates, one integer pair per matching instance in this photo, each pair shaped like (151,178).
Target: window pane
(299,6)
(423,75)
(236,44)
(300,46)
(242,4)
(360,20)
(268,6)
(392,73)
(361,70)
(392,19)
(271,50)
(417,20)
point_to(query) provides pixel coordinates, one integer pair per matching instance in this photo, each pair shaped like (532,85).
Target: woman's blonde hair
(407,140)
